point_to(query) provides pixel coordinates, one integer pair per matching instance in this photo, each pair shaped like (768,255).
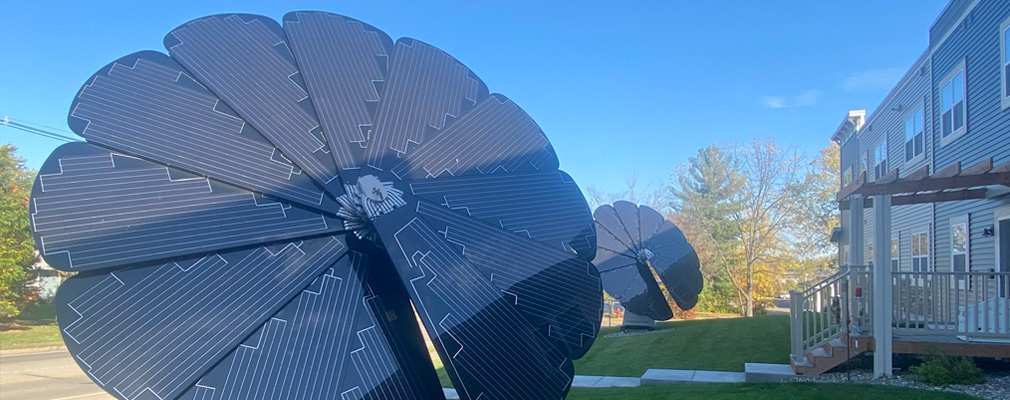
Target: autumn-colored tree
(817,214)
(17,249)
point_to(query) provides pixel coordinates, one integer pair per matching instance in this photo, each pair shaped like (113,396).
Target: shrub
(943,370)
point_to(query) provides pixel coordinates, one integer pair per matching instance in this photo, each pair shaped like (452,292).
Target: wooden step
(832,354)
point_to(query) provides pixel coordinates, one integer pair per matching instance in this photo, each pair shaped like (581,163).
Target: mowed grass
(710,344)
(35,327)
(764,391)
(30,337)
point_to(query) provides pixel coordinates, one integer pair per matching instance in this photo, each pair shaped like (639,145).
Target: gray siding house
(924,246)
(953,105)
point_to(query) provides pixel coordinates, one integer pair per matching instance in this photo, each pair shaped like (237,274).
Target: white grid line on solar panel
(111,216)
(241,295)
(491,136)
(194,244)
(204,145)
(525,263)
(210,50)
(337,59)
(517,249)
(95,213)
(200,237)
(501,319)
(423,86)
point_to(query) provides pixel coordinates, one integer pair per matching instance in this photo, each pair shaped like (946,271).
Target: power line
(35,130)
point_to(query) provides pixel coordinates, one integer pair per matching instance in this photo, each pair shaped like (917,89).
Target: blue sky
(619,89)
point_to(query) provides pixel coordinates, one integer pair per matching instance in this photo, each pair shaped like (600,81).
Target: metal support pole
(882,287)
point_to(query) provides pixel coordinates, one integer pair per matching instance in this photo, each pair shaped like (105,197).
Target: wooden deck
(944,343)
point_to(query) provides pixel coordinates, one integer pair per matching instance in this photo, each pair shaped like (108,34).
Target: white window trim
(897,237)
(966,221)
(999,214)
(1004,96)
(930,267)
(925,138)
(964,128)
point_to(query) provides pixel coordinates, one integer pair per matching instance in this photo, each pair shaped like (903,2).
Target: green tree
(705,198)
(17,249)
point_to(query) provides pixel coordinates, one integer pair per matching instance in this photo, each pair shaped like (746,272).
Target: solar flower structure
(636,244)
(266,211)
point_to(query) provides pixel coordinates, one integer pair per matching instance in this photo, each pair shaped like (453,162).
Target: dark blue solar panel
(245,60)
(636,241)
(553,210)
(92,208)
(154,330)
(201,222)
(145,105)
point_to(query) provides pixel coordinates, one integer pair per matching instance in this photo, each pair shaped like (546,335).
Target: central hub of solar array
(365,201)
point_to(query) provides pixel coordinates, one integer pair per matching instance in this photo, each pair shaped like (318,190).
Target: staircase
(832,354)
(820,316)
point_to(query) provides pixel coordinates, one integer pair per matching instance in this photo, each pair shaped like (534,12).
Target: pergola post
(856,230)
(882,287)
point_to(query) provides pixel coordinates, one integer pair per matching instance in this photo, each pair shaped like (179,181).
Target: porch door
(1004,254)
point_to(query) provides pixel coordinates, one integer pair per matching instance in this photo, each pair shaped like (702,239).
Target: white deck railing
(827,309)
(969,305)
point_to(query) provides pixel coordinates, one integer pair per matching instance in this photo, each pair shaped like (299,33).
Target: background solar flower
(636,244)
(259,213)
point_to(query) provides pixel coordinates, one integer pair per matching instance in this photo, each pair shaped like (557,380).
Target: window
(920,252)
(845,254)
(1004,37)
(847,176)
(914,135)
(879,160)
(952,107)
(959,246)
(869,253)
(894,253)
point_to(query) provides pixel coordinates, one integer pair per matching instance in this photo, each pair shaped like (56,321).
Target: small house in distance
(924,246)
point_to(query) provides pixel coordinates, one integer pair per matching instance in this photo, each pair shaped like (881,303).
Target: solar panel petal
(146,105)
(246,61)
(155,329)
(92,208)
(636,245)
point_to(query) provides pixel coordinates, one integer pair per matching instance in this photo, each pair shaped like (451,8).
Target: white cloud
(806,98)
(773,101)
(872,79)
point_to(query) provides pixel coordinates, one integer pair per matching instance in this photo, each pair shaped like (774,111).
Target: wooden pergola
(953,183)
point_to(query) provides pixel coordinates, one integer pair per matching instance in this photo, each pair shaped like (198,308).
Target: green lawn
(710,344)
(35,327)
(763,391)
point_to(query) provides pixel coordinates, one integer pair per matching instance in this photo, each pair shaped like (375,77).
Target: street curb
(32,350)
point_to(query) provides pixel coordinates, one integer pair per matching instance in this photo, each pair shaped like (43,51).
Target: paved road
(50,375)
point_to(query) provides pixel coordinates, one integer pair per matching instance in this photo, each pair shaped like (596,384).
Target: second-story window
(952,108)
(880,160)
(847,176)
(914,135)
(920,252)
